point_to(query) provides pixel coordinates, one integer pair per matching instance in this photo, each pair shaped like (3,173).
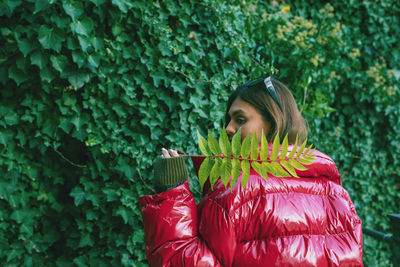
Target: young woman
(306,221)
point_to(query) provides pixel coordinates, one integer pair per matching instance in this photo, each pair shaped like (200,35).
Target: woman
(306,221)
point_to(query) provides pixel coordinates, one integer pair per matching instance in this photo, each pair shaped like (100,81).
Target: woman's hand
(170,153)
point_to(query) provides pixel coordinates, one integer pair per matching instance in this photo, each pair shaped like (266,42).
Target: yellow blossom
(286,8)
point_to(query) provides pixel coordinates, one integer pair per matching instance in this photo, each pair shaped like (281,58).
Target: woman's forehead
(241,107)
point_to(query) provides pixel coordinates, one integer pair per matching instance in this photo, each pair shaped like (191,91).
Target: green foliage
(92,90)
(225,165)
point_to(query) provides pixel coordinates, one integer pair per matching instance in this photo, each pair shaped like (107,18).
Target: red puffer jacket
(307,221)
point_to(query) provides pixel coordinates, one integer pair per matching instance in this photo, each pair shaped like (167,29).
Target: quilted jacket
(306,221)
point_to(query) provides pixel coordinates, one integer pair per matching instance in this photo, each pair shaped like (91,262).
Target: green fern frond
(227,160)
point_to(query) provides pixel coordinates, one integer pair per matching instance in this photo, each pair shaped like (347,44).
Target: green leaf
(275,148)
(236,143)
(236,170)
(214,174)
(73,8)
(38,59)
(258,167)
(224,143)
(83,27)
(59,62)
(295,164)
(225,170)
(51,38)
(289,168)
(27,229)
(41,5)
(245,149)
(17,75)
(284,148)
(307,150)
(204,171)
(304,161)
(213,145)
(294,148)
(78,78)
(255,149)
(276,169)
(26,46)
(303,145)
(246,172)
(264,147)
(123,5)
(203,145)
(78,195)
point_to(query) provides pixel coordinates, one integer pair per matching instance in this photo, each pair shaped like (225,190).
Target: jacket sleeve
(171,230)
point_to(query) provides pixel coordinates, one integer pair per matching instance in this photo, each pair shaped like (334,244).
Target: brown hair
(286,121)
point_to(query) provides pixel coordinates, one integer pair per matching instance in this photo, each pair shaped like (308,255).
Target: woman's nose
(230,129)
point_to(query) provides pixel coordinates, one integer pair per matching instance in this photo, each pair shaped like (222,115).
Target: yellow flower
(286,8)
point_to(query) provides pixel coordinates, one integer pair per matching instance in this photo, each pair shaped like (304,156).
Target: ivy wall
(92,90)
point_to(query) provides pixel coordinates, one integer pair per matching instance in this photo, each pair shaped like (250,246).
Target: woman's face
(244,115)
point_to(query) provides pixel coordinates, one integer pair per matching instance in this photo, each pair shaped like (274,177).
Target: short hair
(287,120)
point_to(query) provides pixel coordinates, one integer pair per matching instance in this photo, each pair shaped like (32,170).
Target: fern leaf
(213,144)
(295,164)
(291,155)
(284,148)
(245,150)
(204,171)
(304,161)
(276,170)
(203,145)
(236,143)
(214,174)
(264,147)
(246,172)
(236,169)
(303,145)
(225,170)
(224,143)
(289,168)
(258,167)
(255,149)
(307,150)
(275,148)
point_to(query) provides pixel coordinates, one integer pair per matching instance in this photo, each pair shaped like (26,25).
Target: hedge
(92,90)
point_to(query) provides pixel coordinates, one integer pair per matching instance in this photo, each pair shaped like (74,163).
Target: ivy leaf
(224,143)
(38,59)
(236,170)
(213,144)
(214,174)
(73,8)
(245,149)
(294,148)
(78,78)
(264,147)
(284,148)
(51,38)
(78,195)
(246,171)
(203,144)
(59,62)
(275,147)
(83,27)
(204,171)
(289,168)
(236,144)
(255,149)
(26,46)
(225,170)
(17,75)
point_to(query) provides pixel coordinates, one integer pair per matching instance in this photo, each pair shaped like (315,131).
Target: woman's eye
(240,121)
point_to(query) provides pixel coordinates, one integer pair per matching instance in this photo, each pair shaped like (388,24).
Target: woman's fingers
(165,153)
(173,153)
(169,153)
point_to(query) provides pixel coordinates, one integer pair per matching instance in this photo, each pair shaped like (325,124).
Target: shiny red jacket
(307,221)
